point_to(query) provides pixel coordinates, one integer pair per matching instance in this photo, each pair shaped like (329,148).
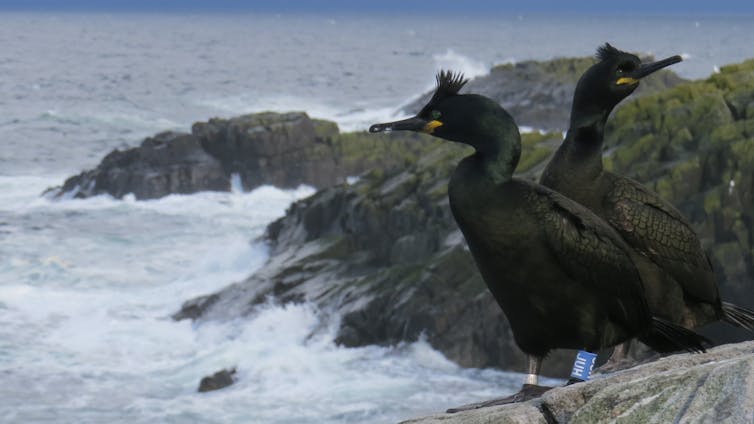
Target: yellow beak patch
(626,80)
(431,125)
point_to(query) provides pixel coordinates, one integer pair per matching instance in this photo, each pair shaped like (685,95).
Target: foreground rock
(716,387)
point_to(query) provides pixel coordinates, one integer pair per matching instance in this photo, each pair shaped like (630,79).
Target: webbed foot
(527,392)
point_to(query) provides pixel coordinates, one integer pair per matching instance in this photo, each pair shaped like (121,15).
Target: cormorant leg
(529,390)
(618,358)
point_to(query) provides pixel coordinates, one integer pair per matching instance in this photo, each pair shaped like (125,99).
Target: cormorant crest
(607,51)
(448,84)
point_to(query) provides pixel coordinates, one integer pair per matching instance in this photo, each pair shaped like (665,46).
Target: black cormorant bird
(563,276)
(677,274)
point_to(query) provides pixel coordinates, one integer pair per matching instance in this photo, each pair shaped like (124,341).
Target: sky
(394,6)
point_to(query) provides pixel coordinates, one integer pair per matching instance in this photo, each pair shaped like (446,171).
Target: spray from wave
(454,61)
(355,116)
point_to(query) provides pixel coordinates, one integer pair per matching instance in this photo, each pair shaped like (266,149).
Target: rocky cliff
(383,255)
(715,387)
(386,254)
(290,149)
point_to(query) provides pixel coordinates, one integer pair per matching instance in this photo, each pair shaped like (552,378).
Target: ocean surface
(87,286)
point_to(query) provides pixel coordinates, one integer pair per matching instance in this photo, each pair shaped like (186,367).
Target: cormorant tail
(665,337)
(738,316)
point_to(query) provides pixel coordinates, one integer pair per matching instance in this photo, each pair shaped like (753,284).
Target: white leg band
(532,379)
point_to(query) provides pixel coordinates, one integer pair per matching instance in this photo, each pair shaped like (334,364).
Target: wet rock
(217,381)
(194,308)
(167,163)
(386,255)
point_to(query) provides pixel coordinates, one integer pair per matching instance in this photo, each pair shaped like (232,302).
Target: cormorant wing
(656,229)
(592,252)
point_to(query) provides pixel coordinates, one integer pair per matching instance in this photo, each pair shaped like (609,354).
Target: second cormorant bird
(678,277)
(563,276)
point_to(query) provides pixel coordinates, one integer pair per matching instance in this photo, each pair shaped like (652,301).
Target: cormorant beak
(411,124)
(648,68)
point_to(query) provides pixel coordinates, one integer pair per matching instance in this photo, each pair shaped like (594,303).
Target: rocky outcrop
(715,387)
(290,149)
(538,94)
(385,255)
(167,163)
(281,149)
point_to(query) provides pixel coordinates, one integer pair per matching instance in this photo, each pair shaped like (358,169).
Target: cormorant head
(466,118)
(606,83)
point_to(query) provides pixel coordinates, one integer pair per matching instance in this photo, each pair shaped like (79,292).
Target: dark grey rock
(270,148)
(217,381)
(194,308)
(285,150)
(386,255)
(167,163)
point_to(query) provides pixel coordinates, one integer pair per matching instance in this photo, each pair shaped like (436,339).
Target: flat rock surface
(714,387)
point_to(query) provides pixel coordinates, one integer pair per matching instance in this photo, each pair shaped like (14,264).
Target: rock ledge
(714,387)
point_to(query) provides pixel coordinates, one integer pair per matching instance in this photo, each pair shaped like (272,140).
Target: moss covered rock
(694,145)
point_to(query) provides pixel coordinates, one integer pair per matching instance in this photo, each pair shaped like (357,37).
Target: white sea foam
(351,117)
(91,313)
(355,116)
(457,62)
(131,120)
(523,129)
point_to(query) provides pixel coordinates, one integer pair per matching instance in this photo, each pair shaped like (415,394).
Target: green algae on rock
(694,145)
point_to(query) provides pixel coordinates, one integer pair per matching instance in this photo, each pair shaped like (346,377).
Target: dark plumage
(678,278)
(563,276)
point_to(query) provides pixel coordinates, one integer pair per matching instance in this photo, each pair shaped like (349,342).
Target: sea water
(87,287)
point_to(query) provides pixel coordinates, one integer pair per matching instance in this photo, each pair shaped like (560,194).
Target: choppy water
(85,335)
(87,286)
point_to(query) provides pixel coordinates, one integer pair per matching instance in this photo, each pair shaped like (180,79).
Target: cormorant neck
(499,157)
(588,116)
(583,142)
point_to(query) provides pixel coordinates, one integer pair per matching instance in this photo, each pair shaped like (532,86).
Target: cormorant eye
(435,114)
(624,68)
